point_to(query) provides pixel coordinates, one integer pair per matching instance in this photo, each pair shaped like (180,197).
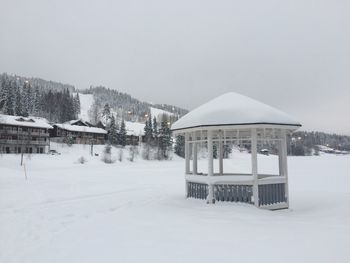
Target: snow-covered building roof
(233,109)
(77,128)
(80,122)
(134,128)
(24,121)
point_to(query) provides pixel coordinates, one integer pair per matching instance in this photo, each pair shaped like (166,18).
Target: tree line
(116,132)
(22,98)
(158,138)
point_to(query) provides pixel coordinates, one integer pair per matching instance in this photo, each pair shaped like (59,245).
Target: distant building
(134,132)
(23,134)
(264,151)
(78,131)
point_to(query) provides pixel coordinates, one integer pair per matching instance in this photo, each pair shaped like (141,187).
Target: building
(78,131)
(234,118)
(23,134)
(135,131)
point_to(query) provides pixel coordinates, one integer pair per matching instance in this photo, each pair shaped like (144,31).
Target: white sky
(294,55)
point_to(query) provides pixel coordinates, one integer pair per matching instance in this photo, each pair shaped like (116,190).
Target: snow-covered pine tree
(165,140)
(10,100)
(106,113)
(155,128)
(180,146)
(27,101)
(18,104)
(148,130)
(3,92)
(122,133)
(37,101)
(113,132)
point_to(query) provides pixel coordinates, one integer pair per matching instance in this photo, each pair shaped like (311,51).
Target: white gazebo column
(210,197)
(194,161)
(280,158)
(187,153)
(221,155)
(284,162)
(254,150)
(187,161)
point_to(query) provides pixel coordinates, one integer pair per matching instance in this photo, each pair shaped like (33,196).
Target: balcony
(23,142)
(25,133)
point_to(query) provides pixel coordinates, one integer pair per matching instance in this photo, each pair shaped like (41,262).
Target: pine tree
(180,146)
(10,99)
(37,101)
(27,99)
(155,128)
(106,113)
(165,140)
(113,132)
(122,133)
(18,103)
(4,86)
(148,130)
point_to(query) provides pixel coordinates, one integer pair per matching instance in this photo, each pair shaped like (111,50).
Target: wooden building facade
(78,132)
(23,134)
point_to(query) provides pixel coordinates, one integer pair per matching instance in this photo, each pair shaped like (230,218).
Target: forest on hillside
(125,106)
(39,98)
(57,103)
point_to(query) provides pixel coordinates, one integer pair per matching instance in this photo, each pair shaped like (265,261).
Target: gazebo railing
(223,193)
(270,194)
(233,193)
(197,190)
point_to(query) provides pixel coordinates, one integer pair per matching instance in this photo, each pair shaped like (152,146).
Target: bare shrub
(82,160)
(133,152)
(120,155)
(107,154)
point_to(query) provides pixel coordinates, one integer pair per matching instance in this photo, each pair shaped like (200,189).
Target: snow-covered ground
(136,212)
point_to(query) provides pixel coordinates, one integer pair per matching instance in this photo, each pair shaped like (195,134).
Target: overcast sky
(294,55)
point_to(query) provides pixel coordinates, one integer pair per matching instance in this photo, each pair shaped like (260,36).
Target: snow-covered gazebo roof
(233,109)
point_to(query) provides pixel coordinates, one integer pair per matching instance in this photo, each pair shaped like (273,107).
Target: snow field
(136,212)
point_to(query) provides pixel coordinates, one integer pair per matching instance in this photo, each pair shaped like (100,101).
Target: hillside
(125,106)
(43,85)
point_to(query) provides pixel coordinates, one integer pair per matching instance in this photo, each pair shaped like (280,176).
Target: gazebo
(234,118)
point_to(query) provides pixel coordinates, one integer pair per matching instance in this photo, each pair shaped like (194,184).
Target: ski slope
(159,112)
(86,101)
(136,212)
